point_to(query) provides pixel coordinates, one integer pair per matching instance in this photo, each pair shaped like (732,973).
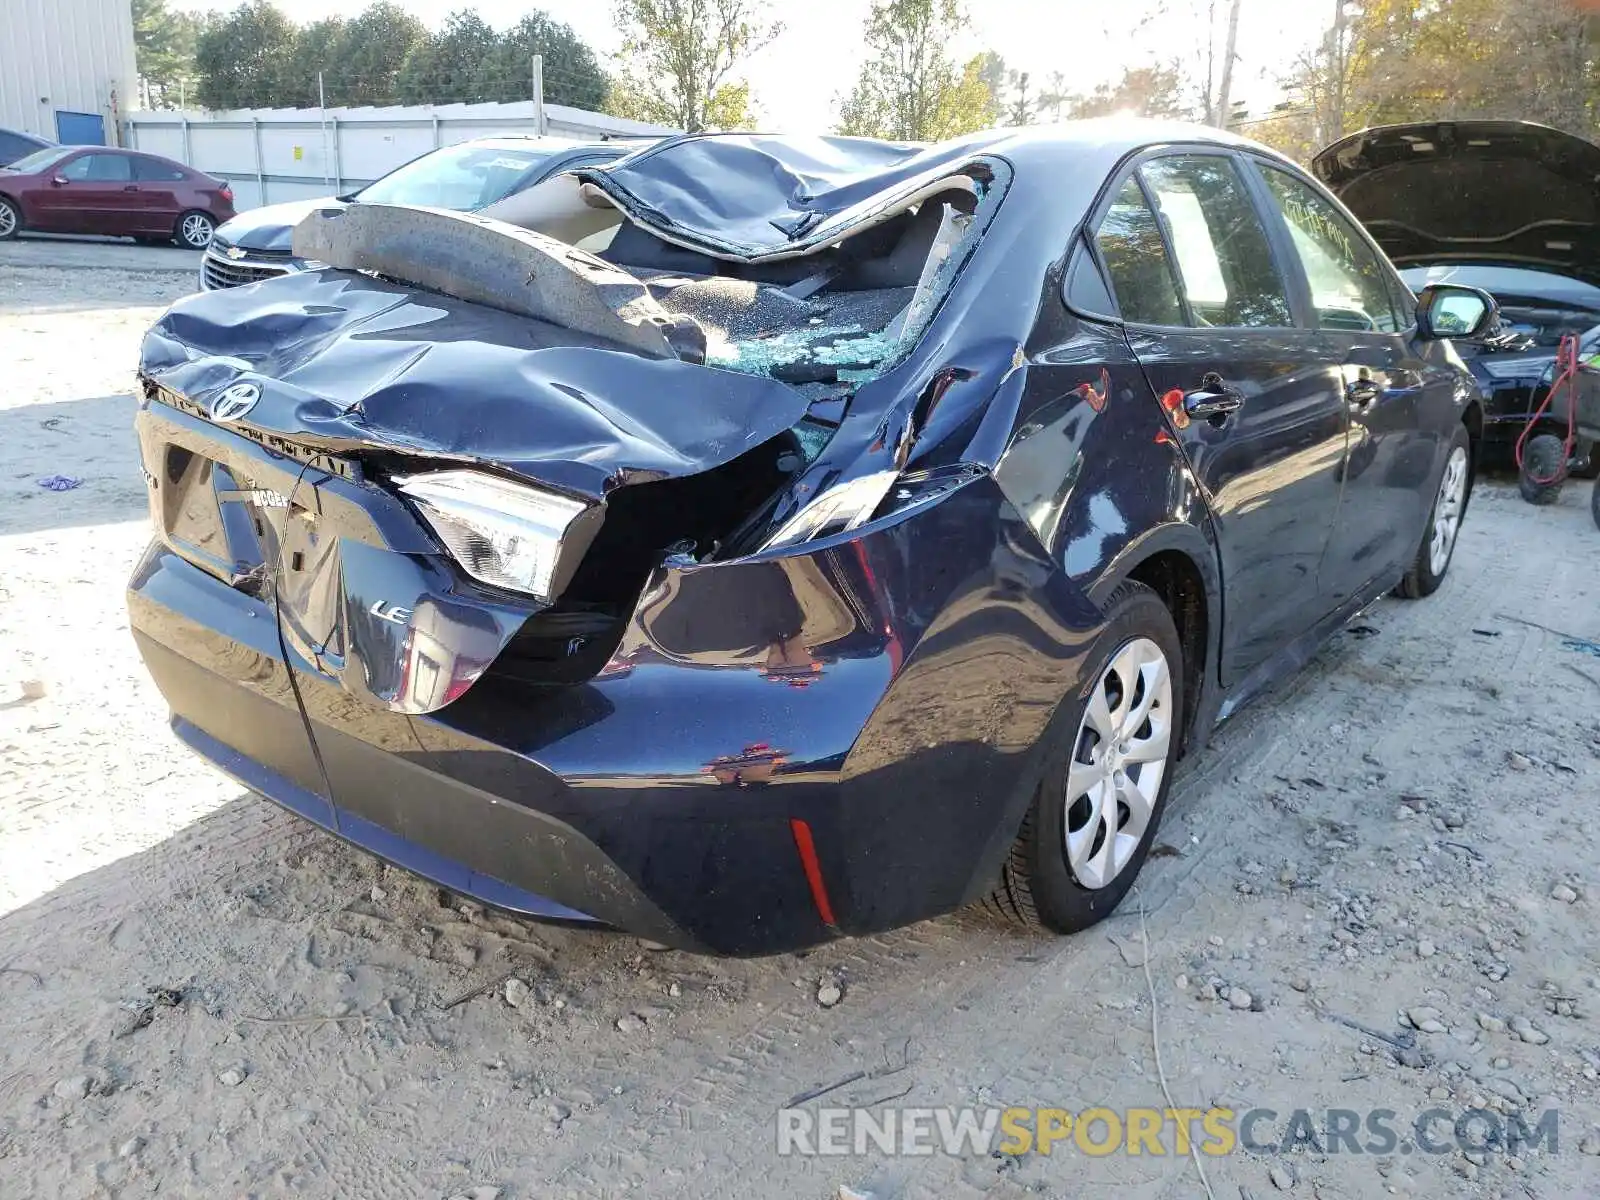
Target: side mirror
(1447,310)
(59,181)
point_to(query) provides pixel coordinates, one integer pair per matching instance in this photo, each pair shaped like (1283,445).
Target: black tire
(179,236)
(1586,462)
(1425,576)
(1038,887)
(1594,504)
(1543,458)
(10,219)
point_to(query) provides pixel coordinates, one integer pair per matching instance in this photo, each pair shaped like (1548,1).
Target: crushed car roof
(755,197)
(482,340)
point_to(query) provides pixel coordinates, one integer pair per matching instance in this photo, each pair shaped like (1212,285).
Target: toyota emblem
(234,401)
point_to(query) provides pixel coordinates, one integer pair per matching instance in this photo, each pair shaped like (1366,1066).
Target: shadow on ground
(90,440)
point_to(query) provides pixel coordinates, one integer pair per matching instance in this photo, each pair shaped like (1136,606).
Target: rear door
(1254,397)
(159,202)
(1365,323)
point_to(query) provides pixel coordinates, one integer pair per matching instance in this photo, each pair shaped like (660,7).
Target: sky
(797,78)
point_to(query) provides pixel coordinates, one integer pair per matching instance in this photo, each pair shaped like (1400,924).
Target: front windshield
(39,160)
(465,178)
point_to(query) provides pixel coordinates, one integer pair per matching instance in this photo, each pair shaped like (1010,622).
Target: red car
(122,193)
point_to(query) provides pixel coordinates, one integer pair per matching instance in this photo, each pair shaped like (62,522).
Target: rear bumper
(504,848)
(884,702)
(381,840)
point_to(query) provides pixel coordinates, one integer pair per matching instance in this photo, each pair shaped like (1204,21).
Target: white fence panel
(274,155)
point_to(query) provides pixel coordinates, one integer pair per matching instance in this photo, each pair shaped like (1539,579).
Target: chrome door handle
(1362,392)
(1215,401)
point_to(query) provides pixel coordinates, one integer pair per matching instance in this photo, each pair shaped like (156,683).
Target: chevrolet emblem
(235,252)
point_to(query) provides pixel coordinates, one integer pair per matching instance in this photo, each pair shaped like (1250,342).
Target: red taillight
(226,193)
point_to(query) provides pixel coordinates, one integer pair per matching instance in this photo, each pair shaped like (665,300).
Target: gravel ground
(1375,891)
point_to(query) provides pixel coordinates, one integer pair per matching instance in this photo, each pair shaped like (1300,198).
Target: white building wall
(278,154)
(73,55)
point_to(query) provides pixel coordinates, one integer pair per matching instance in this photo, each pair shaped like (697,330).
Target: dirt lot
(202,996)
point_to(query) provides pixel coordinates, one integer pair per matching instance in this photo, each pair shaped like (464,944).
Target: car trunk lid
(274,415)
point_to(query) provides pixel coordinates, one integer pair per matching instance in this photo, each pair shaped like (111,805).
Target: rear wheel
(1544,469)
(1091,823)
(10,219)
(195,229)
(1594,504)
(1444,523)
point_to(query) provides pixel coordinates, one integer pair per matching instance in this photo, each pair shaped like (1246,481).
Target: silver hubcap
(196,230)
(1447,511)
(1118,763)
(8,220)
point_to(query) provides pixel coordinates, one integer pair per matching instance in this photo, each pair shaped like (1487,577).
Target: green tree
(163,43)
(909,88)
(1385,61)
(996,78)
(370,51)
(1153,91)
(678,57)
(571,73)
(1020,111)
(1054,99)
(445,67)
(316,51)
(241,57)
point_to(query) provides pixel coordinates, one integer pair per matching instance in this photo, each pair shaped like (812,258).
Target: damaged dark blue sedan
(761,540)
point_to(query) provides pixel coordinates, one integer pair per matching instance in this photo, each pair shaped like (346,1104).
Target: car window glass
(1349,287)
(155,170)
(99,168)
(11,146)
(1136,256)
(465,177)
(1086,287)
(1224,258)
(1402,301)
(40,160)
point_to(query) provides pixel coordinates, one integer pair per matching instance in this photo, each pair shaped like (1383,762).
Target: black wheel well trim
(1171,559)
(1472,418)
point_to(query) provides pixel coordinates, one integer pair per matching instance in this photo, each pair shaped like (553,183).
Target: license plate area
(226,504)
(220,519)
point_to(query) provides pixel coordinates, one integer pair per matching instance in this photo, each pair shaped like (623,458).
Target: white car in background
(255,245)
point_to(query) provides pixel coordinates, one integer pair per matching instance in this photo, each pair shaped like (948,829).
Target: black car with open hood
(1507,206)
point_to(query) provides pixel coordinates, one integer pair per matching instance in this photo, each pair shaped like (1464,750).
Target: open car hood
(1506,192)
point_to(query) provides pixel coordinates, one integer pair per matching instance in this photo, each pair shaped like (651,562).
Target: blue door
(80,129)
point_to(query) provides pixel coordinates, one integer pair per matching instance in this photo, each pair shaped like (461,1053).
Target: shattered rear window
(840,316)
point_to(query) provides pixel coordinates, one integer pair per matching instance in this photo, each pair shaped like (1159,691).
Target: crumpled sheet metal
(489,262)
(349,362)
(757,198)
